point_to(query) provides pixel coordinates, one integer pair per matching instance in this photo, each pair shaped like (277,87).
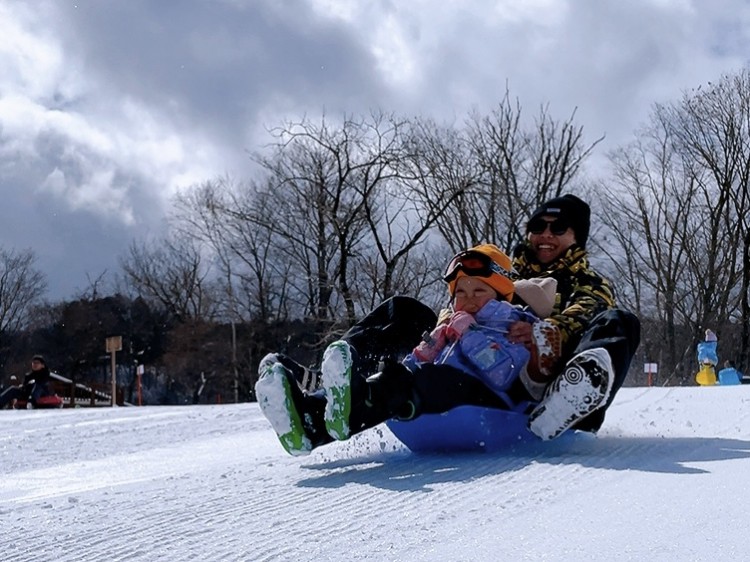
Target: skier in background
(729,375)
(707,359)
(36,384)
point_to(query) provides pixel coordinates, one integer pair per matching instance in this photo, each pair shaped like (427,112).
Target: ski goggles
(558,227)
(473,264)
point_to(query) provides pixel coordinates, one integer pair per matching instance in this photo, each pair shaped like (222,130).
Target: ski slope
(665,479)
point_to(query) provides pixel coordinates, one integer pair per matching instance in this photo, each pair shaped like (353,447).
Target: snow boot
(287,409)
(337,384)
(584,386)
(307,379)
(354,403)
(392,392)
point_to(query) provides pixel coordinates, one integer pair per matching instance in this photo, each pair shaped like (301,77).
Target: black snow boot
(392,393)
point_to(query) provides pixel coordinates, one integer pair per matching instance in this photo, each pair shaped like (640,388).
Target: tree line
(343,213)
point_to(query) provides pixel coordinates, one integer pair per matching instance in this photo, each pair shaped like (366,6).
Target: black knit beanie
(573,210)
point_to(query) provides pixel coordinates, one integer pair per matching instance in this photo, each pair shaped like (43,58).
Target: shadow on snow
(408,471)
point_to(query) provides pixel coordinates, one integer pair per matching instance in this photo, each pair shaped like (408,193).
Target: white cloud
(31,60)
(107,156)
(95,194)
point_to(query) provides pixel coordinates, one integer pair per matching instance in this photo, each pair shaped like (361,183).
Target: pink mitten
(460,322)
(431,345)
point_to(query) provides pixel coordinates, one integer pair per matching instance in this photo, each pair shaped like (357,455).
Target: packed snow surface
(665,479)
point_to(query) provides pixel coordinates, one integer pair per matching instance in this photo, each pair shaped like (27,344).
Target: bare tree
(345,201)
(315,179)
(427,181)
(712,127)
(255,277)
(21,287)
(510,169)
(253,274)
(173,274)
(649,206)
(677,217)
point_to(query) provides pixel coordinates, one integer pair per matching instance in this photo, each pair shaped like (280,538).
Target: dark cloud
(215,66)
(210,72)
(74,240)
(109,108)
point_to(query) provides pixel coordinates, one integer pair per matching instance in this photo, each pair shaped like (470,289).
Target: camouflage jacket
(581,292)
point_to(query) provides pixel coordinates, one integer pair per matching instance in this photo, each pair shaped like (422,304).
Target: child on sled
(400,361)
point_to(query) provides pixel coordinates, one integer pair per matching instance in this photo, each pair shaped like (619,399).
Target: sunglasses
(558,227)
(473,264)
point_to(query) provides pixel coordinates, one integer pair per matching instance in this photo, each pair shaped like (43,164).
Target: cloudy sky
(108,107)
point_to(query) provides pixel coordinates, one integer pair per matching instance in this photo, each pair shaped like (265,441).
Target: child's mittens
(459,322)
(434,342)
(431,345)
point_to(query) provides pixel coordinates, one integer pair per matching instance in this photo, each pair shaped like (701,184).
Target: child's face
(472,294)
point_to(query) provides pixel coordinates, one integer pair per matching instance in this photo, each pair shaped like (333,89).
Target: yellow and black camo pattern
(581,292)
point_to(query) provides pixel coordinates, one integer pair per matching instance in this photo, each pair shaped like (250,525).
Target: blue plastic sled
(465,428)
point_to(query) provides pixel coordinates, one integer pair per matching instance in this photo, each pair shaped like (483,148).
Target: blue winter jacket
(707,353)
(484,350)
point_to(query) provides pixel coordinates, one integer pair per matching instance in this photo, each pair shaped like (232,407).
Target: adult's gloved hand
(444,316)
(545,348)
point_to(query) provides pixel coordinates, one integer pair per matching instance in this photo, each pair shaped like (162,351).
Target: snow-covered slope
(666,479)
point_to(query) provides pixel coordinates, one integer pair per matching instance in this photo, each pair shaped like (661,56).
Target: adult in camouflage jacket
(582,352)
